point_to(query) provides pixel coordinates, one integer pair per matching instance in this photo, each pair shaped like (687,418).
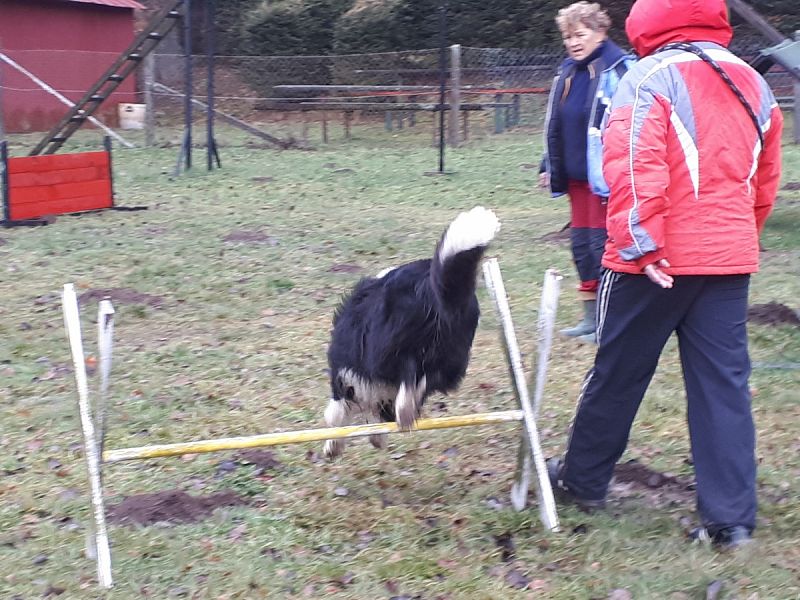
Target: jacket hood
(653,23)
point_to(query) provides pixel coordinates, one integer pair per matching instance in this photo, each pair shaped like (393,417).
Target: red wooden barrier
(53,184)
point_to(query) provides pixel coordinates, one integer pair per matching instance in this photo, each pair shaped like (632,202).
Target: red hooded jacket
(689,179)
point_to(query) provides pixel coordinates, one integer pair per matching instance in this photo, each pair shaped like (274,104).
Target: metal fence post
(455,95)
(187,84)
(498,114)
(2,109)
(149,104)
(796,118)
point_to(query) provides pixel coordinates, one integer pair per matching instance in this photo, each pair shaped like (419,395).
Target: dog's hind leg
(408,403)
(337,414)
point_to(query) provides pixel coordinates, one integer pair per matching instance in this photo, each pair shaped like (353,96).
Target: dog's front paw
(406,415)
(333,448)
(406,406)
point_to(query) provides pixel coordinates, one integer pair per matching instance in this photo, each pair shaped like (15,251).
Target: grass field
(224,291)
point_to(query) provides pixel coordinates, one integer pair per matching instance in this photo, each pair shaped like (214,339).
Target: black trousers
(635,319)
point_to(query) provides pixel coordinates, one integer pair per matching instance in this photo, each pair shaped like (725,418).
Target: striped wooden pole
(305,435)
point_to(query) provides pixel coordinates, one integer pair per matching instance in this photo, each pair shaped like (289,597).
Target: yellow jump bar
(305,435)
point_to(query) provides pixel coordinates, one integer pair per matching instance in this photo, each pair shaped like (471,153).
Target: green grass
(237,346)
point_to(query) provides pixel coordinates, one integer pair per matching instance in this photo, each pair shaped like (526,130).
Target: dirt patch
(772,313)
(659,489)
(121,296)
(170,506)
(557,237)
(249,236)
(154,231)
(792,185)
(345,268)
(262,459)
(642,476)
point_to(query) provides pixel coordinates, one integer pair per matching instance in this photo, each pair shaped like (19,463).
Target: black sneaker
(563,493)
(727,540)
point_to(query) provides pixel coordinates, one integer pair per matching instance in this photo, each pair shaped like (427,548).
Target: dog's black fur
(412,327)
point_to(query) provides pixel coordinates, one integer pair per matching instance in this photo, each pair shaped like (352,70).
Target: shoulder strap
(697,51)
(621,67)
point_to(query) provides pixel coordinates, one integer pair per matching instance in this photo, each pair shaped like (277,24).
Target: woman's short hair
(588,14)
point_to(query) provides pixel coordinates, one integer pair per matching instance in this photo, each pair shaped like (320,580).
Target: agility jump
(93,418)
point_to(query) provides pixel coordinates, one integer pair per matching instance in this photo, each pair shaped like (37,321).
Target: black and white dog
(407,333)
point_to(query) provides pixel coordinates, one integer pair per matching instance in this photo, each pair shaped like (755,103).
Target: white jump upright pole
(547,504)
(105,341)
(544,336)
(73,326)
(544,332)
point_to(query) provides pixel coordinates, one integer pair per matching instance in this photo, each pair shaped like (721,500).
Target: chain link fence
(326,98)
(500,88)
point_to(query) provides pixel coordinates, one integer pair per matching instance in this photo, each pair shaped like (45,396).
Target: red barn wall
(66,44)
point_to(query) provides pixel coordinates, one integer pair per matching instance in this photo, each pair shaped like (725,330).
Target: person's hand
(544,179)
(655,274)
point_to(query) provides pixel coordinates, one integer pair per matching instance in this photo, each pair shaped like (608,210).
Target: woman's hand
(544,179)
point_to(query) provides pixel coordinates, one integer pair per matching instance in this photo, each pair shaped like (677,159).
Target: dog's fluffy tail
(458,254)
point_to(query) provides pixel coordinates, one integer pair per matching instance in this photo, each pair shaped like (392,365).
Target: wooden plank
(22,180)
(402,90)
(493,68)
(453,134)
(38,164)
(59,207)
(382,106)
(65,191)
(354,88)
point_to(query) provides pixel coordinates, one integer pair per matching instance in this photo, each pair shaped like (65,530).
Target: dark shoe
(726,540)
(732,538)
(564,494)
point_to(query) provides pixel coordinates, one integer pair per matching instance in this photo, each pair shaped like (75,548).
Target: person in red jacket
(692,156)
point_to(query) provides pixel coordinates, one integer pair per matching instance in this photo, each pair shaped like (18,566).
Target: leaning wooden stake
(547,505)
(73,326)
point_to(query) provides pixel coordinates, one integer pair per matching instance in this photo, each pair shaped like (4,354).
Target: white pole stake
(105,340)
(547,505)
(544,332)
(73,326)
(545,326)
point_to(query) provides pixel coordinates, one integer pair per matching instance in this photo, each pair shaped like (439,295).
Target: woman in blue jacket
(579,98)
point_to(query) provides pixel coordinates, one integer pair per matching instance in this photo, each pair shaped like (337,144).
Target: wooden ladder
(156,30)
